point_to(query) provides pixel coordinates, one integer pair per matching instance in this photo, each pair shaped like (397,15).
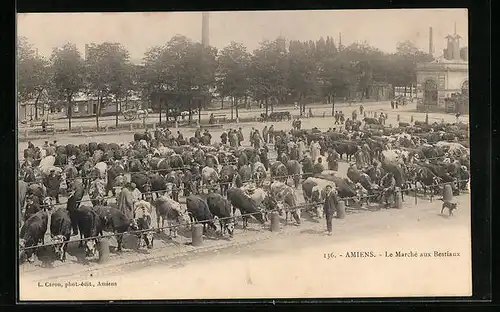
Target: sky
(140,31)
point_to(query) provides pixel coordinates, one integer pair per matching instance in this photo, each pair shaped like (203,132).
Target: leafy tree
(232,73)
(269,71)
(33,74)
(303,76)
(67,75)
(108,73)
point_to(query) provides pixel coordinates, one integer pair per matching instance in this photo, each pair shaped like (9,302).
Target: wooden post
(275,221)
(103,248)
(399,200)
(341,209)
(197,235)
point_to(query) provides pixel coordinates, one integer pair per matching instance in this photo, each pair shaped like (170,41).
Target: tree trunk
(267,107)
(236,106)
(222,103)
(199,112)
(272,106)
(246,101)
(232,107)
(333,104)
(405,91)
(70,111)
(98,109)
(160,102)
(116,113)
(36,104)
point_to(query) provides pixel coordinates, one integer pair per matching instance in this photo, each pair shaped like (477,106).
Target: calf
(60,230)
(221,208)
(32,232)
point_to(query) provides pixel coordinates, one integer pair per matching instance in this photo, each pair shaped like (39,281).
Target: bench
(48,127)
(217,118)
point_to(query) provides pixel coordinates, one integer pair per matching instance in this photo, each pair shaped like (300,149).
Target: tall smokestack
(340,40)
(431,45)
(204,29)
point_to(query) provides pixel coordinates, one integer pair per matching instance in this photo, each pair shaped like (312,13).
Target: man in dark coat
(329,207)
(307,167)
(223,137)
(265,134)
(332,159)
(52,184)
(240,136)
(271,134)
(318,167)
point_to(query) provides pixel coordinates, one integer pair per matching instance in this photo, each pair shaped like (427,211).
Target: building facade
(442,80)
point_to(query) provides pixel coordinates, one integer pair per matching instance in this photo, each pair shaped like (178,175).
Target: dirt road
(294,264)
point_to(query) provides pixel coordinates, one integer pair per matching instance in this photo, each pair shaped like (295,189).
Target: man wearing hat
(126,200)
(52,184)
(329,207)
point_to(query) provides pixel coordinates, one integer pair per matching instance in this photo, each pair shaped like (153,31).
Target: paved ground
(293,264)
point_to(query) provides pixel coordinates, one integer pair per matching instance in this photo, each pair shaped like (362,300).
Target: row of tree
(303,72)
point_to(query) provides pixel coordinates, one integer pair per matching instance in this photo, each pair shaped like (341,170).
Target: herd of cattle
(218,180)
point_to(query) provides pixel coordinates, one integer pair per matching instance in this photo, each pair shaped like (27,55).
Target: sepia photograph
(243,155)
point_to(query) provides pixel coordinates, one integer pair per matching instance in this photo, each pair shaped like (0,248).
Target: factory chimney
(204,29)
(431,45)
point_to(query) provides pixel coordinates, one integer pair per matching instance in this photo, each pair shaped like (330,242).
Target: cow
(209,177)
(32,232)
(199,212)
(221,208)
(245,204)
(89,226)
(286,195)
(60,230)
(279,171)
(170,210)
(259,173)
(115,221)
(142,221)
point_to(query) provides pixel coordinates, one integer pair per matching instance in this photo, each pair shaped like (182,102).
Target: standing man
(361,109)
(126,201)
(240,136)
(271,134)
(265,134)
(329,207)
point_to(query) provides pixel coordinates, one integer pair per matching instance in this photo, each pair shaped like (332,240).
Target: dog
(451,206)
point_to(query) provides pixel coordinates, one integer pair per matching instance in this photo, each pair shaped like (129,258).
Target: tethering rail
(301,207)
